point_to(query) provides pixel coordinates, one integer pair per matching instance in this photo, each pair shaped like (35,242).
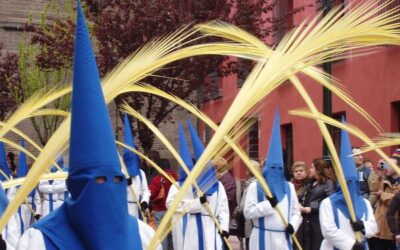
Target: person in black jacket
(317,188)
(392,219)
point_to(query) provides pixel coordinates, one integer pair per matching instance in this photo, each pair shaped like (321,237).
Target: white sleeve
(254,209)
(45,187)
(38,203)
(145,188)
(146,235)
(330,231)
(31,239)
(59,186)
(370,225)
(295,217)
(11,193)
(12,232)
(223,209)
(186,205)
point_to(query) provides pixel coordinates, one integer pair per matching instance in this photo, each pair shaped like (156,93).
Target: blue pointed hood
(273,169)
(197,145)
(94,167)
(131,160)
(92,145)
(210,174)
(184,152)
(350,174)
(22,169)
(3,163)
(22,164)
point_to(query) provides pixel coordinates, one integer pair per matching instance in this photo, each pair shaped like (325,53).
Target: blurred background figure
(392,217)
(149,171)
(50,191)
(368,163)
(316,189)
(388,185)
(138,190)
(225,176)
(159,189)
(299,170)
(365,173)
(11,164)
(396,154)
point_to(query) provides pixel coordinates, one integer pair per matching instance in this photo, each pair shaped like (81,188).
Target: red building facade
(372,81)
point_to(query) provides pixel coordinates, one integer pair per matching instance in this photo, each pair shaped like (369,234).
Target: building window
(214,87)
(335,131)
(287,144)
(211,89)
(284,18)
(11,26)
(202,95)
(207,135)
(253,140)
(320,4)
(243,69)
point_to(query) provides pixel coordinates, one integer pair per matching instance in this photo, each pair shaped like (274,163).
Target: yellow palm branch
(46,112)
(24,136)
(19,181)
(351,129)
(152,163)
(234,33)
(383,141)
(38,100)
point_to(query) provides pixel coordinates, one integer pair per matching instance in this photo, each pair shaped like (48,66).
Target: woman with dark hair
(317,188)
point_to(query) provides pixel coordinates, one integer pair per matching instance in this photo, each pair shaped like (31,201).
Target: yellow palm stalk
(19,181)
(4,175)
(55,112)
(383,141)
